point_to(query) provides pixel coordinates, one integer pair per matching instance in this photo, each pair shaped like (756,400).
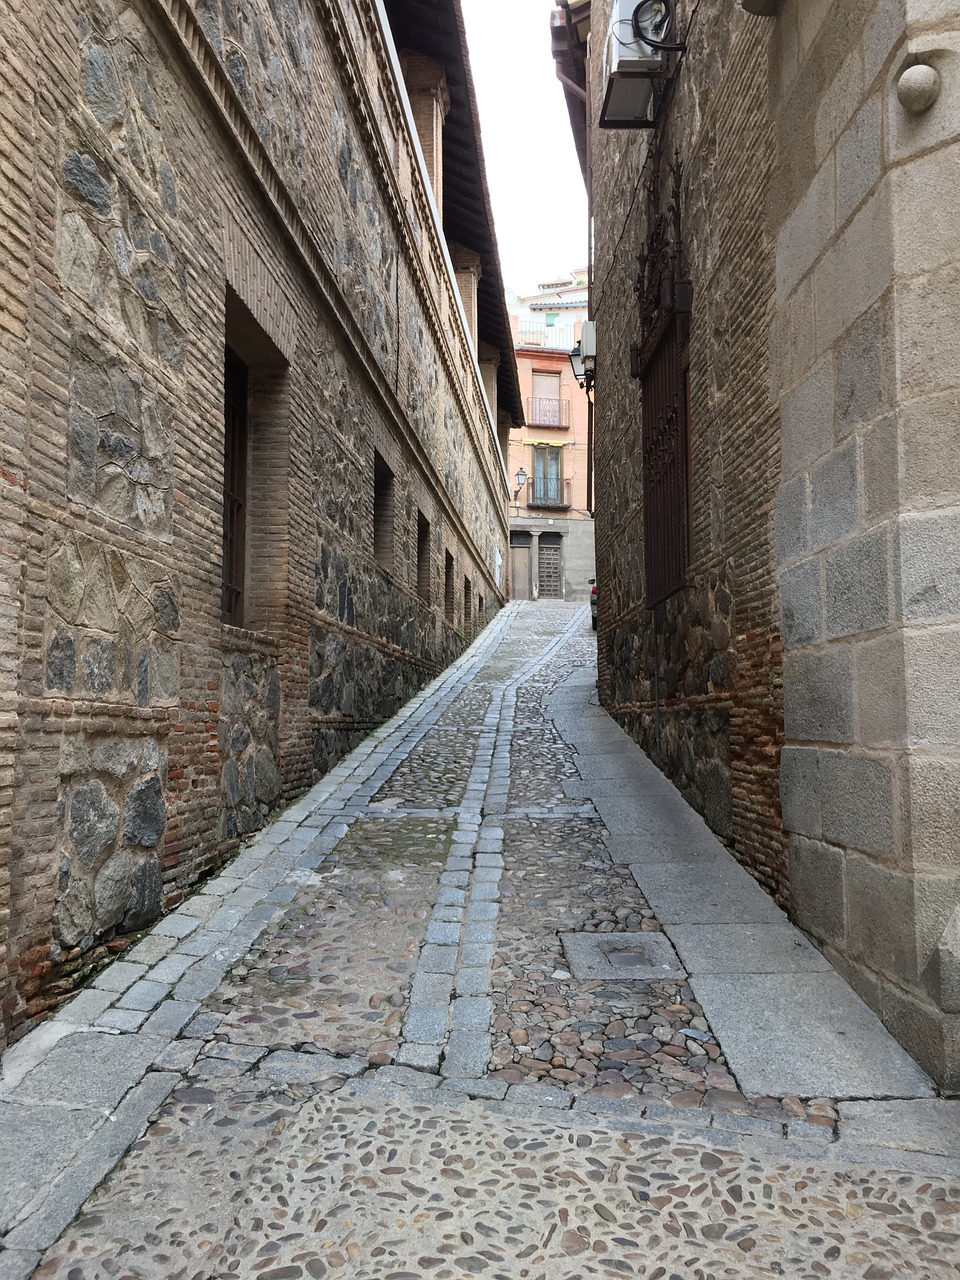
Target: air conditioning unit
(630,65)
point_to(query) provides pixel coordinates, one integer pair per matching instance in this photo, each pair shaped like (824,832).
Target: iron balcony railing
(547,412)
(547,491)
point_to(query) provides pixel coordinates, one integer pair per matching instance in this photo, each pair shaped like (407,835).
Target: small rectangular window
(423,557)
(468,608)
(449,603)
(481,614)
(383,509)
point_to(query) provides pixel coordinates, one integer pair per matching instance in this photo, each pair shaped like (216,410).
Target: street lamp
(583,357)
(521,478)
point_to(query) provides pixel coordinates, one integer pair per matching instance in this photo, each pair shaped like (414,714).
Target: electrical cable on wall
(664,26)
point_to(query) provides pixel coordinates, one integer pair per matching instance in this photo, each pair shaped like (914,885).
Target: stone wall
(701,677)
(867,369)
(248,177)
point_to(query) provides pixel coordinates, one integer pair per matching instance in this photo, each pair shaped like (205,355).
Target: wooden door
(520,573)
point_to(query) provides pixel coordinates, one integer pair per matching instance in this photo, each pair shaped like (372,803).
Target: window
(481,614)
(547,477)
(546,407)
(665,446)
(383,500)
(468,608)
(423,557)
(236,392)
(256,474)
(448,600)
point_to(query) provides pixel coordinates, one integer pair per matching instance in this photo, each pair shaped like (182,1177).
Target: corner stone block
(834,502)
(817,888)
(806,415)
(857,801)
(928,329)
(882,918)
(930,565)
(801,604)
(881,469)
(857,590)
(865,362)
(800,790)
(930,447)
(933,1036)
(932,680)
(792,519)
(880,691)
(933,784)
(818,695)
(945,967)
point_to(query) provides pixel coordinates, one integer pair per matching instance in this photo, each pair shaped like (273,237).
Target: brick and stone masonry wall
(245,176)
(718,643)
(867,370)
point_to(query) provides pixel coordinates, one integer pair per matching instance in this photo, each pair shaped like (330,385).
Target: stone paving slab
(806,1034)
(666,847)
(924,1124)
(659,814)
(719,893)
(87,1069)
(750,948)
(99,1153)
(32,1151)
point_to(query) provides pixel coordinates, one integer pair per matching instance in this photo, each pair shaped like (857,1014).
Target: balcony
(543,412)
(555,337)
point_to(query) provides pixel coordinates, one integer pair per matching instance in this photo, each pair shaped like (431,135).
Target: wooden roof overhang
(435,29)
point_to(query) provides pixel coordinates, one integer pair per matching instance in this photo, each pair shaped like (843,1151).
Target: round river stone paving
(335,972)
(283,1187)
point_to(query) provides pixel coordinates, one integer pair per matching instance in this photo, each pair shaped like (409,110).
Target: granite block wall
(866,368)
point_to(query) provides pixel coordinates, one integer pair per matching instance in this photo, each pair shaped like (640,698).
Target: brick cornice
(202,62)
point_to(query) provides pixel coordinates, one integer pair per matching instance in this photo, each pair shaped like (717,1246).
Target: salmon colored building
(550,463)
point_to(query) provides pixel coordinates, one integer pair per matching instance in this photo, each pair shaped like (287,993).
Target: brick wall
(715,646)
(187,185)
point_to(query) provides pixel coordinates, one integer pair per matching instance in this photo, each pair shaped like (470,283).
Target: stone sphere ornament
(918,88)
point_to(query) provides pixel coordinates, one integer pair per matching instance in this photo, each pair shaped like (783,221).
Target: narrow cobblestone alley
(489,1001)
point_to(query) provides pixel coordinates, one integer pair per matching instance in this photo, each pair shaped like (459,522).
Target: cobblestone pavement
(366,1051)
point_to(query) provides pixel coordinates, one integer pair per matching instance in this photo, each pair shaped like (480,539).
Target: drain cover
(633,957)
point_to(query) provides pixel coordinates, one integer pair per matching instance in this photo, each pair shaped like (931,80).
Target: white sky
(539,202)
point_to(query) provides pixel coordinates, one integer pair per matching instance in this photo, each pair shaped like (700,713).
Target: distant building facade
(551,518)
(257,383)
(778,479)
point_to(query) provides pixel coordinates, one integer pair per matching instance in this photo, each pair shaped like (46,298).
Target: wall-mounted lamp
(521,479)
(636,55)
(583,357)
